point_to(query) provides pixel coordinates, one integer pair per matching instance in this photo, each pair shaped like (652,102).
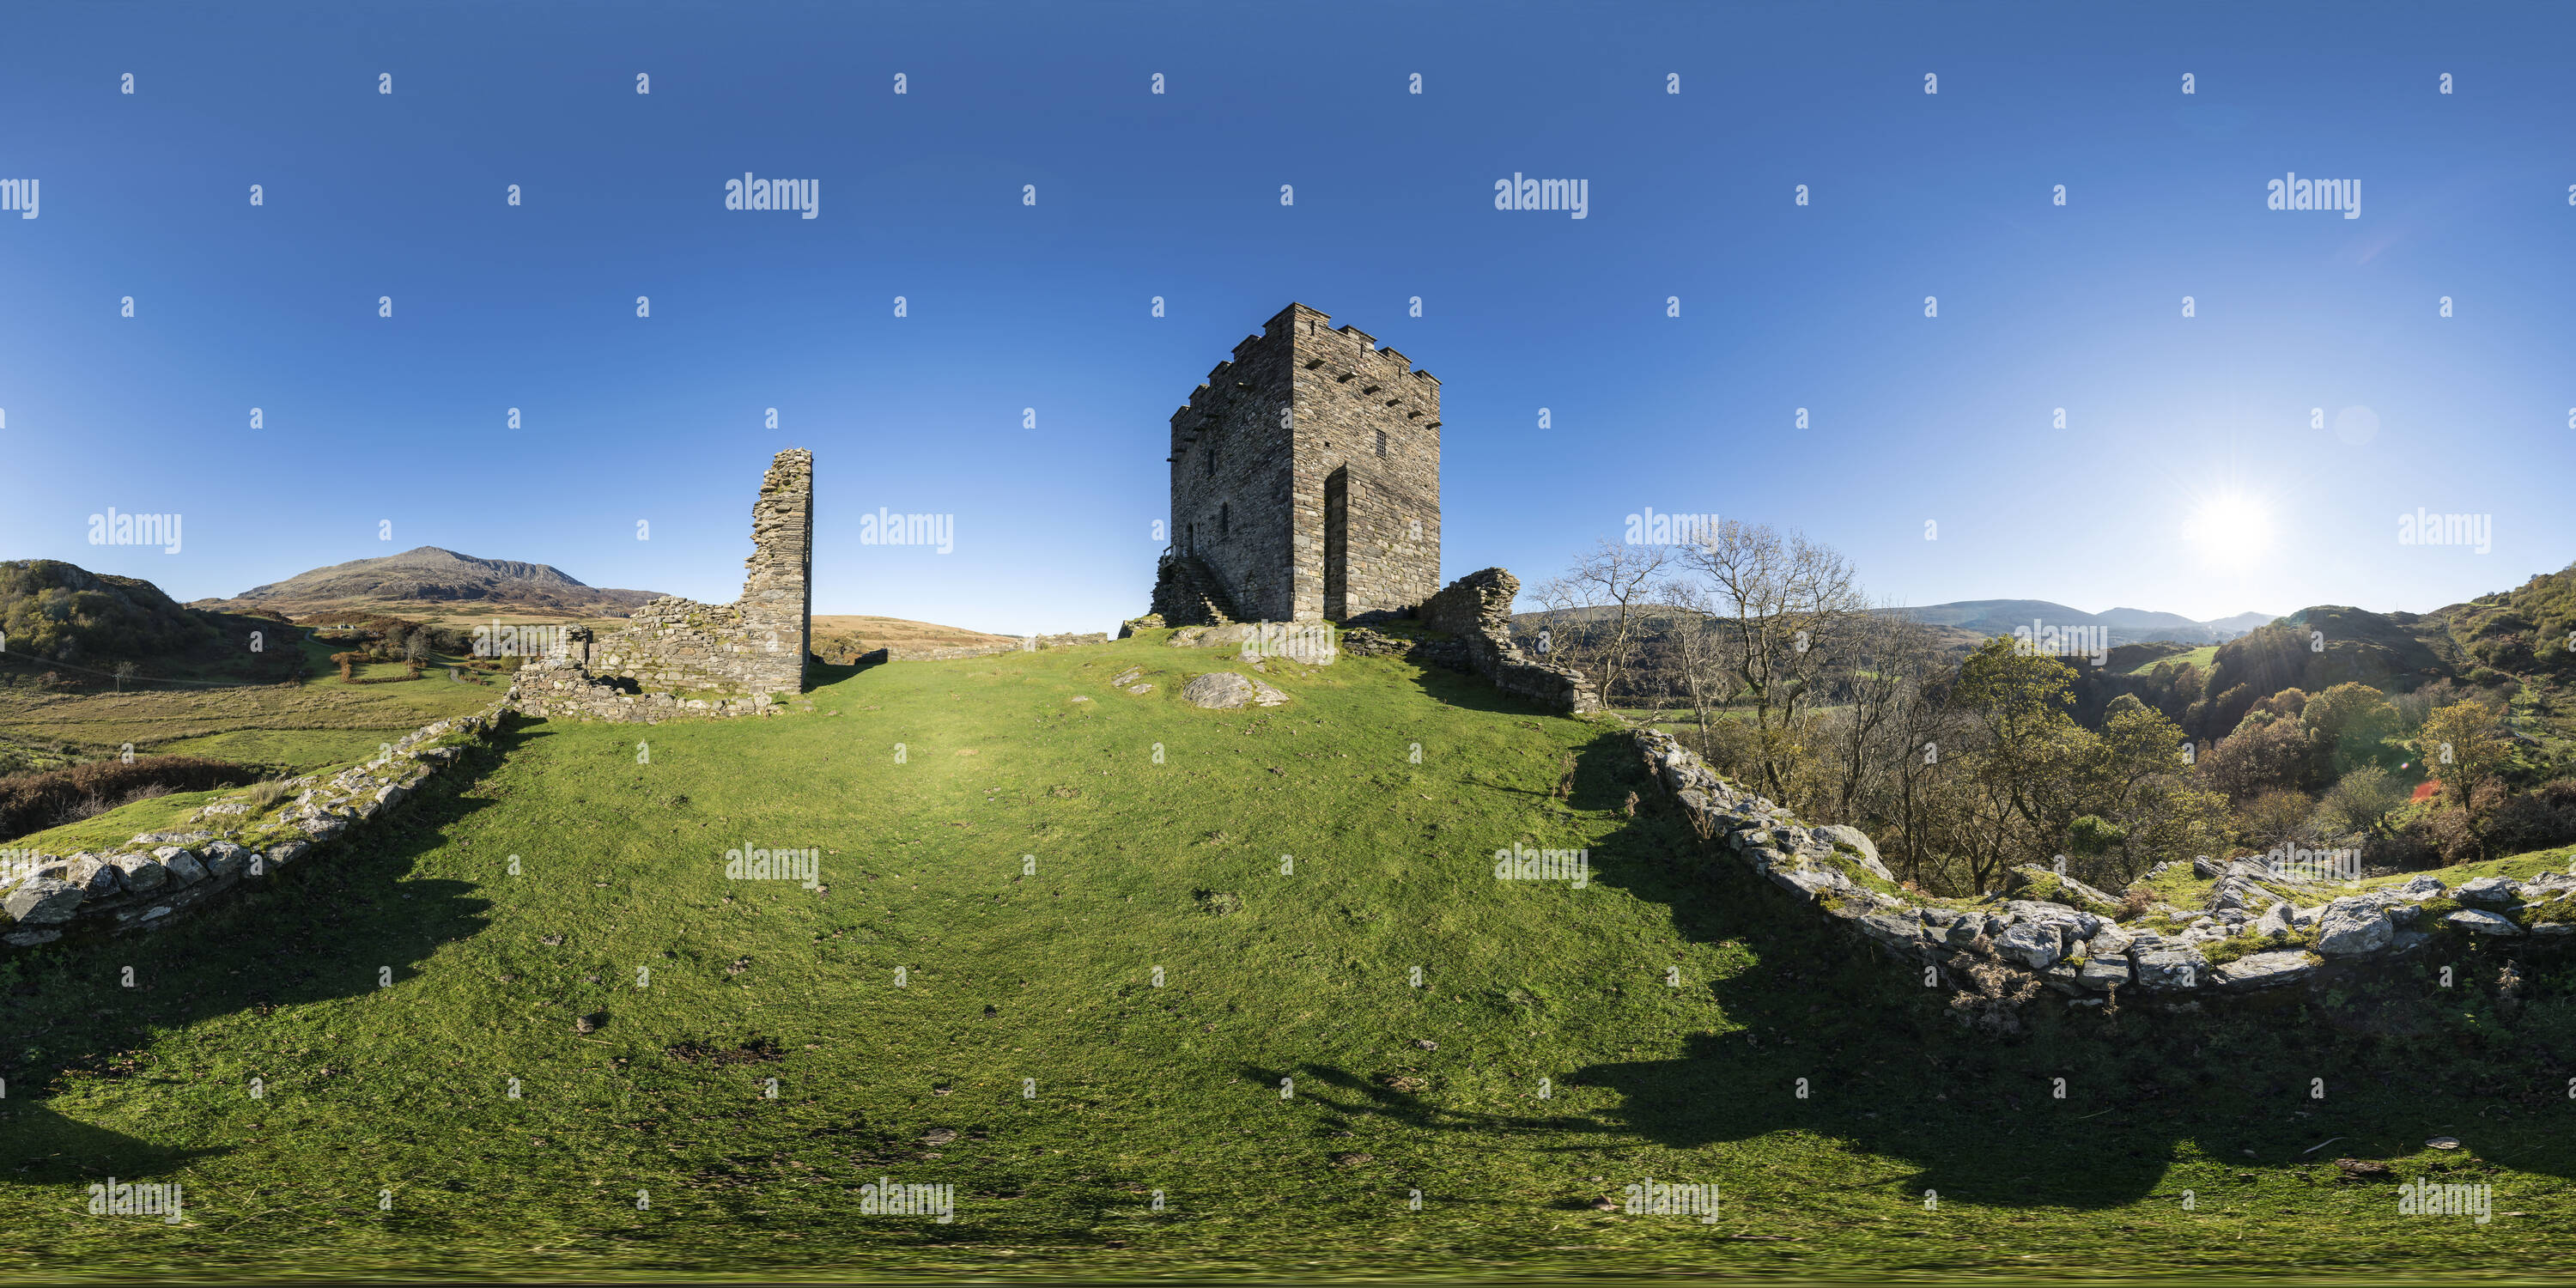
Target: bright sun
(2231,528)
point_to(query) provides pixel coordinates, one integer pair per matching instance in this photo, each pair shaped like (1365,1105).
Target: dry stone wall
(156,878)
(2259,931)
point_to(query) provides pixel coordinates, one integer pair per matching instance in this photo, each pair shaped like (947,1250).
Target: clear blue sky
(1911,419)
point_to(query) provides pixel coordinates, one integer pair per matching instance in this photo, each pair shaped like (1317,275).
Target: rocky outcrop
(155,878)
(1477,609)
(2070,937)
(1224,690)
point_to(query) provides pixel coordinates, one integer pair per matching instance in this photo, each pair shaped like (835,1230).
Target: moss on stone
(2043,886)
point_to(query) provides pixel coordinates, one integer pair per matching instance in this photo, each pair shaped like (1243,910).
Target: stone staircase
(1189,593)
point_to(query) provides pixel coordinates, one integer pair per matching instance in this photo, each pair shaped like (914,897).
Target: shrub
(2359,802)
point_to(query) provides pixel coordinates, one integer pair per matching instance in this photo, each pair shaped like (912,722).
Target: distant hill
(2126,625)
(840,638)
(63,612)
(435,579)
(63,626)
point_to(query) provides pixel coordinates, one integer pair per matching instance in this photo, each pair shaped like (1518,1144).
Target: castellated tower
(1305,481)
(778,587)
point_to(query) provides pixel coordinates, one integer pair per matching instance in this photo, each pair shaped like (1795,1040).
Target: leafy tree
(2464,746)
(2350,723)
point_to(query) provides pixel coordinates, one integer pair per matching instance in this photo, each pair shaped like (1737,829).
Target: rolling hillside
(1157,1015)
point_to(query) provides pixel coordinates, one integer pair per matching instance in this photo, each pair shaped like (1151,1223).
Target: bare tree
(1780,602)
(1700,671)
(1887,662)
(1606,598)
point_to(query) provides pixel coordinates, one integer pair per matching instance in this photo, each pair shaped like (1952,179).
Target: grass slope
(1029,866)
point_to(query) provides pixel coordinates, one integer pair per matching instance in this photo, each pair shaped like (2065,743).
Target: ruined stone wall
(777,604)
(705,659)
(2262,929)
(156,879)
(561,688)
(1477,608)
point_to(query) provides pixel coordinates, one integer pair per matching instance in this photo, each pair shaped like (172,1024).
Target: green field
(2200,657)
(305,725)
(1029,865)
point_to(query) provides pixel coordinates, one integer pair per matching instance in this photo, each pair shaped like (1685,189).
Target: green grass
(113,828)
(307,725)
(1303,974)
(2200,657)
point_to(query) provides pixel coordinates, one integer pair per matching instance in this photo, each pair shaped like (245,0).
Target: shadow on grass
(1829,1034)
(322,928)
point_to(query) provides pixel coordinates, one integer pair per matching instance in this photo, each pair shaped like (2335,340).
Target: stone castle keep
(680,657)
(1305,481)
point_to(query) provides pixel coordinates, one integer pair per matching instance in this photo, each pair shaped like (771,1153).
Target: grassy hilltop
(385,1139)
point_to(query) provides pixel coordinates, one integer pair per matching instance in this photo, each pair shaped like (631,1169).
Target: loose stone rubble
(155,878)
(2260,930)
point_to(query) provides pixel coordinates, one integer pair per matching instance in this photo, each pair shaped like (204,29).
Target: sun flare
(2231,528)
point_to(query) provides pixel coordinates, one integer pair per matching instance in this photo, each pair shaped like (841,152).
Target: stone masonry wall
(1364,412)
(2261,930)
(1306,474)
(154,879)
(1477,608)
(777,604)
(689,658)
(1231,478)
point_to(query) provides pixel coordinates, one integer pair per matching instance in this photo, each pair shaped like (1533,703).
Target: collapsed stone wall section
(2071,937)
(156,878)
(1477,608)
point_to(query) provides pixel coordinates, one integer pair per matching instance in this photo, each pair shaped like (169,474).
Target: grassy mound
(1158,1014)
